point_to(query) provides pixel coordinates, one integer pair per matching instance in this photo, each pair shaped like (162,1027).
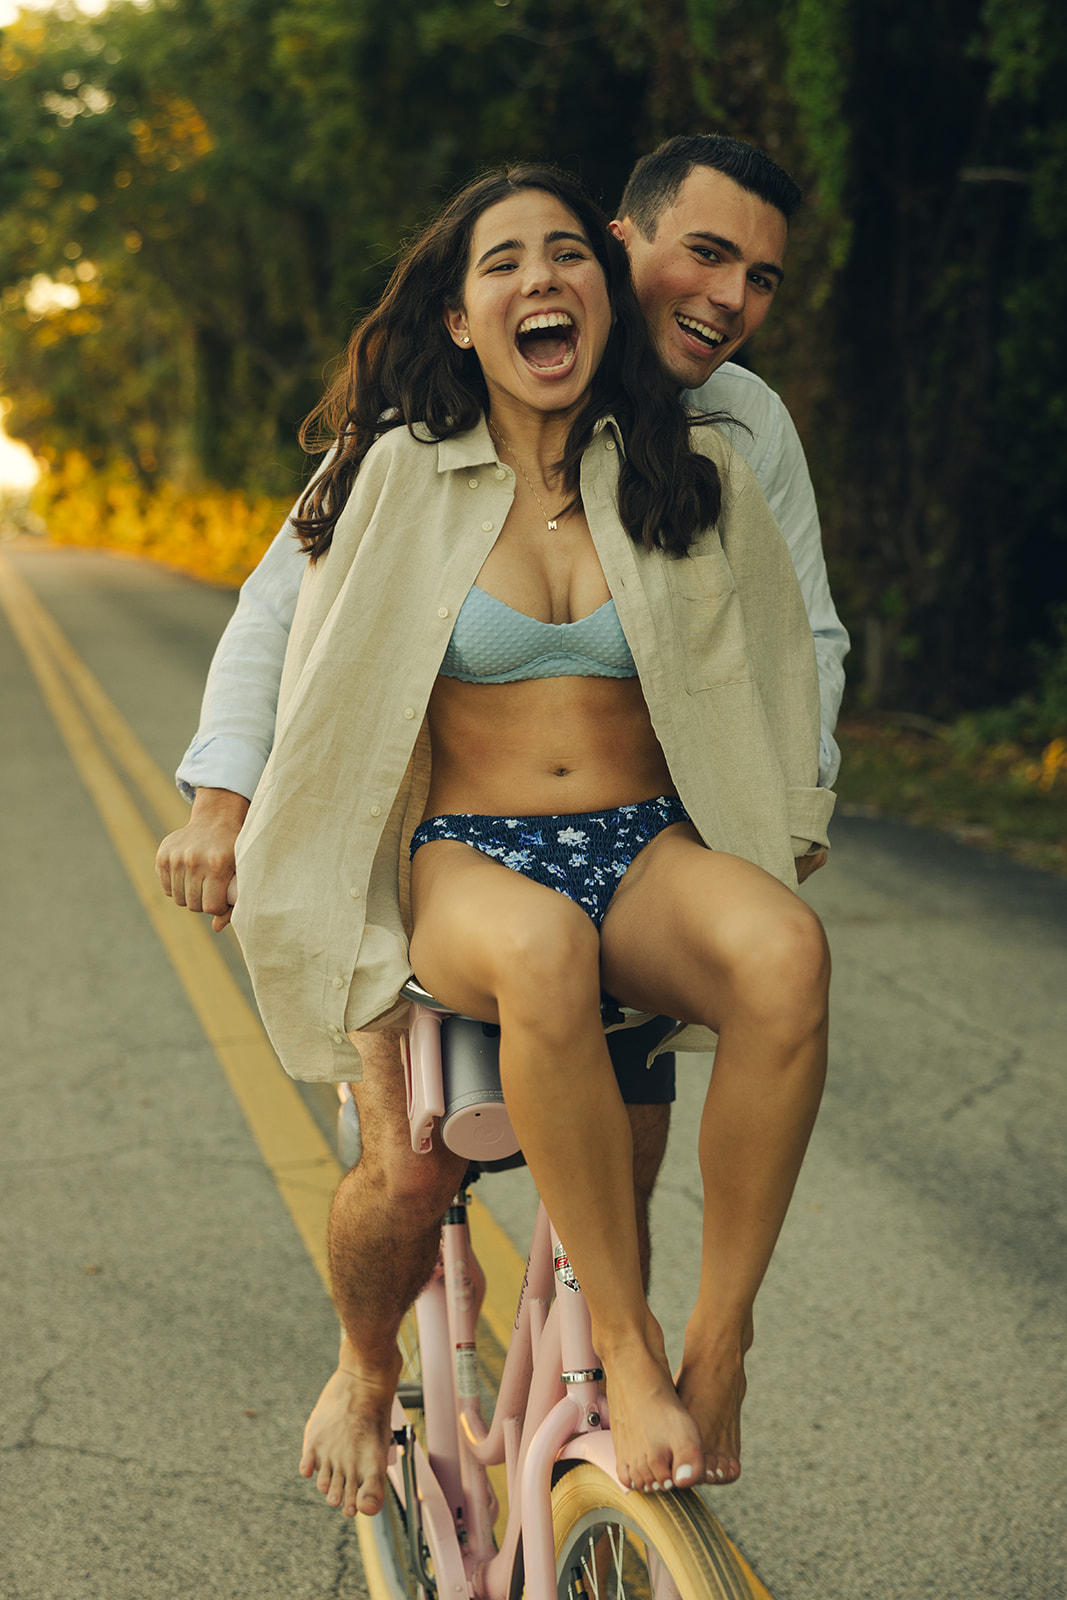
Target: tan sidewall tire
(685,1535)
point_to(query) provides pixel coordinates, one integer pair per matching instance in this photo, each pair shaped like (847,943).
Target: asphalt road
(164,1328)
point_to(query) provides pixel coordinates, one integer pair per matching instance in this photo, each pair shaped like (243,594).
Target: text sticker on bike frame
(466,1371)
(563,1269)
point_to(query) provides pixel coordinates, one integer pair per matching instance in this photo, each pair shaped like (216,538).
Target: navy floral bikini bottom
(581,854)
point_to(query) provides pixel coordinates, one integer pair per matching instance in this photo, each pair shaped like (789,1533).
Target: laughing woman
(551,651)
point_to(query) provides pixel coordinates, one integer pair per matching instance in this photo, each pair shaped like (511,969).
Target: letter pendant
(552,522)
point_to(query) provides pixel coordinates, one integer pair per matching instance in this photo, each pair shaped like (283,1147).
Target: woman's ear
(456,323)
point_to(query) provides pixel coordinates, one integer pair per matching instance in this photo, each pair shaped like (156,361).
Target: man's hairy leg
(385,1229)
(649,1127)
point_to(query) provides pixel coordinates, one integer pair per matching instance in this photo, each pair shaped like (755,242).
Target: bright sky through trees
(9,9)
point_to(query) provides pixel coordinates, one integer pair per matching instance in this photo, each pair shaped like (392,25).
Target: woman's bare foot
(657,1444)
(347,1438)
(711,1385)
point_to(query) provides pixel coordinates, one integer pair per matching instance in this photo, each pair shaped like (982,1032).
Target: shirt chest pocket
(708,625)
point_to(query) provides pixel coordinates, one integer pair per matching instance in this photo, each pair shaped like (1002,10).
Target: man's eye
(705,253)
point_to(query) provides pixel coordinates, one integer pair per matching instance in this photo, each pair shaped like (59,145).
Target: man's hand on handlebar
(196,865)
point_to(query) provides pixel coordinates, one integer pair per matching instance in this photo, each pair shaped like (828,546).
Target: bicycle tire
(626,1545)
(383,1547)
(383,1539)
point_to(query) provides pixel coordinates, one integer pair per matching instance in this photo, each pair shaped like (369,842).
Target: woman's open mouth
(547,341)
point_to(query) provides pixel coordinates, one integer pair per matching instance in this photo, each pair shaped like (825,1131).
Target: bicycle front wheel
(616,1546)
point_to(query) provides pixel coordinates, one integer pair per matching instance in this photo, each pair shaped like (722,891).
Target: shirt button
(500,473)
(338,983)
(354,892)
(375,811)
(472,483)
(336,1035)
(487,527)
(609,444)
(409,713)
(442,611)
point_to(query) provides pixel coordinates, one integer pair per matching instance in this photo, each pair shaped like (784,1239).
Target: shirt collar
(475,448)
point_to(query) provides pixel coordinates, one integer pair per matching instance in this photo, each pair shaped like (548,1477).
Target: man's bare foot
(657,1444)
(347,1438)
(711,1385)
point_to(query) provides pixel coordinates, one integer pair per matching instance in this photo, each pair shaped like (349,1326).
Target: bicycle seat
(612,1014)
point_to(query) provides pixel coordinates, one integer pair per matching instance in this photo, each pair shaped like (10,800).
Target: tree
(223,185)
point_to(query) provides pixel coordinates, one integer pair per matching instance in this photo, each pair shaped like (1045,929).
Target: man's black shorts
(629,1047)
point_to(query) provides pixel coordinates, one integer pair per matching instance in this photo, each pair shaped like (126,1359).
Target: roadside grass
(1003,797)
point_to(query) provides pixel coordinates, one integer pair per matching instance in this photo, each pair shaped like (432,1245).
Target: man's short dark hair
(657,178)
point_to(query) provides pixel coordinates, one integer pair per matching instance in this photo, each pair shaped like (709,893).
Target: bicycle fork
(550,1405)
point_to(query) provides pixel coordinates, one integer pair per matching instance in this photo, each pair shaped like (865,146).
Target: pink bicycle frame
(550,1404)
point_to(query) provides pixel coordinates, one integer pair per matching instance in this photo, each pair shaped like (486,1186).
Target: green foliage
(817,75)
(1034,719)
(1015,42)
(197,198)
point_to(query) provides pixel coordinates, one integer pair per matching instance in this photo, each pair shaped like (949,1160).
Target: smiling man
(707,265)
(704,220)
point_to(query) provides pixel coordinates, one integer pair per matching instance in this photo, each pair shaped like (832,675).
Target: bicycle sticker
(563,1269)
(466,1371)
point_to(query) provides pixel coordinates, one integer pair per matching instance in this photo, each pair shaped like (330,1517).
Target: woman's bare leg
(713,939)
(495,945)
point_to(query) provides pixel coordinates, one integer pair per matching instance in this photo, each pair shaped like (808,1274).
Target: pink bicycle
(572,1529)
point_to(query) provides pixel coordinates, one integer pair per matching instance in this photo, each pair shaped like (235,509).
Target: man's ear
(622,230)
(456,323)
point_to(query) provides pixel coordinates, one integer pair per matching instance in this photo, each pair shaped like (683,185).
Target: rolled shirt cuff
(220,762)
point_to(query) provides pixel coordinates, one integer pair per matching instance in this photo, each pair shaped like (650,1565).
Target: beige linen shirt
(725,658)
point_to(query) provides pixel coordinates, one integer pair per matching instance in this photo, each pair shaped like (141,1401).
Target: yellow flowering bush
(213,533)
(1050,770)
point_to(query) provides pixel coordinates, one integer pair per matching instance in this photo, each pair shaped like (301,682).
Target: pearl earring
(466,338)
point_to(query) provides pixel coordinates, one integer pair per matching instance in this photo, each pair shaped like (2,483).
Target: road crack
(1004,1075)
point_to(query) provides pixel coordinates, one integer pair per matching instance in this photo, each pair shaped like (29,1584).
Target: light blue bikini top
(493,643)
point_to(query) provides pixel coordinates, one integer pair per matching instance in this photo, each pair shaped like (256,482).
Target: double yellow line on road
(115,768)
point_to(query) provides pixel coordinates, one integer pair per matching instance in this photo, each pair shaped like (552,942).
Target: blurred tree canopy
(197,197)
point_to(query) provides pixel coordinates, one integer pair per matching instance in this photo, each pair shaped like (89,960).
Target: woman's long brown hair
(402,368)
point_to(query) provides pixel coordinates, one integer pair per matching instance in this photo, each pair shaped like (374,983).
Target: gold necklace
(553,522)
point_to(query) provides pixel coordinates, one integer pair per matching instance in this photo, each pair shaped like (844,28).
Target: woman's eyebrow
(517,244)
